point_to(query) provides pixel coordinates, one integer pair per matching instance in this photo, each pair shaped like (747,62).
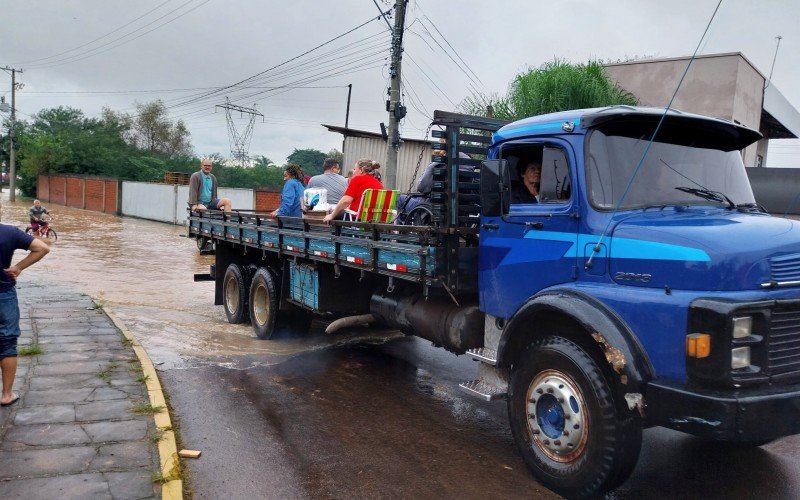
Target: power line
(425,74)
(361,67)
(431,23)
(448,54)
(288,60)
(98,38)
(77,58)
(306,79)
(156,91)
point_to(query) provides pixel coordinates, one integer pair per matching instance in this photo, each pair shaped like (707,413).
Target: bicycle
(43,229)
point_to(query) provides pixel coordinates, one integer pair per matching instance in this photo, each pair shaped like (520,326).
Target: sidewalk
(74,432)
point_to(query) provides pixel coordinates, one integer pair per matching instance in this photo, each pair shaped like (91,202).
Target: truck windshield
(682,167)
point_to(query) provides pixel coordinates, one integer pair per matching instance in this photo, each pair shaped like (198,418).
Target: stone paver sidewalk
(74,432)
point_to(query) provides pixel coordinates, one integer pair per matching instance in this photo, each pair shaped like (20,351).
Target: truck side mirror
(494,187)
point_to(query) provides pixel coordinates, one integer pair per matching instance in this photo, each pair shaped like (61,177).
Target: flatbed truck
(644,288)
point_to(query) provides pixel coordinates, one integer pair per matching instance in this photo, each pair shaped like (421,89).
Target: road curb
(167,447)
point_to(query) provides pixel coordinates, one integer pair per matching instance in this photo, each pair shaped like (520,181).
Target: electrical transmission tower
(240,141)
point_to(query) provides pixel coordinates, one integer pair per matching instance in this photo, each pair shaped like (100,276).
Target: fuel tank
(438,319)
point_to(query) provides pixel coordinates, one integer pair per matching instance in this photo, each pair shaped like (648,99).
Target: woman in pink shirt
(363,179)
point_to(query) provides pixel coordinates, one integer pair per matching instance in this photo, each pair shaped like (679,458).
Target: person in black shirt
(12,239)
(527,191)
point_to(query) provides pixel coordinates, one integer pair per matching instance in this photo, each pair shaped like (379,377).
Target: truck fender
(623,352)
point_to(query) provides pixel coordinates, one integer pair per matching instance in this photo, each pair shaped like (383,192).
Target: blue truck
(643,286)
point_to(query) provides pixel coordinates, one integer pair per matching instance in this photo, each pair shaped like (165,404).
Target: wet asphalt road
(387,422)
(353,415)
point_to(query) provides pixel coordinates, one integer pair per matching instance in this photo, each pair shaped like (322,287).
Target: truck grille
(785,268)
(784,342)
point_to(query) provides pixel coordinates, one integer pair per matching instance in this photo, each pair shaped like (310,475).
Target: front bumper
(755,414)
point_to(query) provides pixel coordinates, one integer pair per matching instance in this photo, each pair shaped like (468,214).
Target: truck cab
(643,287)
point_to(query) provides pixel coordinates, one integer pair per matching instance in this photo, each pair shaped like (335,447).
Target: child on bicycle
(35,213)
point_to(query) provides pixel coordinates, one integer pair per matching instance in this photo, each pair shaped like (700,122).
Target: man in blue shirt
(203,190)
(12,239)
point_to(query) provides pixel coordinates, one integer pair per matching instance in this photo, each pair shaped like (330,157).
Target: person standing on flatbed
(203,190)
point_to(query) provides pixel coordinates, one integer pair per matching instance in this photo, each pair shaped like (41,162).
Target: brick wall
(43,187)
(95,192)
(74,192)
(112,198)
(99,195)
(58,190)
(267,201)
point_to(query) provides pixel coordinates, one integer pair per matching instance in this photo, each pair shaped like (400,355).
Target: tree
(336,155)
(151,130)
(63,140)
(554,86)
(310,160)
(262,160)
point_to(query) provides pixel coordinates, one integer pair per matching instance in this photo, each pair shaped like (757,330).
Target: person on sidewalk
(330,180)
(12,239)
(203,190)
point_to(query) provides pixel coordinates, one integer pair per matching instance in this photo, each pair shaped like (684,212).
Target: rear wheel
(29,230)
(421,215)
(565,421)
(263,304)
(51,234)
(235,294)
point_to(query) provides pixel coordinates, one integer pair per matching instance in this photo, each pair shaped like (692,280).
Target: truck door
(532,244)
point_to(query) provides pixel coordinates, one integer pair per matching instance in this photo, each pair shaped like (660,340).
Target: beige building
(360,144)
(724,86)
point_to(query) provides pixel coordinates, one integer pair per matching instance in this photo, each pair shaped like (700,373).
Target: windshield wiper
(751,207)
(708,194)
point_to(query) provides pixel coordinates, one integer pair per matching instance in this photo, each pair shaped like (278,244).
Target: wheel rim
(556,416)
(232,294)
(421,217)
(260,304)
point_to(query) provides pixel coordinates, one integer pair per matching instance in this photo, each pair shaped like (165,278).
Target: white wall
(168,202)
(241,199)
(149,201)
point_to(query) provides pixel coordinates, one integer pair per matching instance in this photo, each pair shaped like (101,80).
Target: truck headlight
(740,358)
(742,327)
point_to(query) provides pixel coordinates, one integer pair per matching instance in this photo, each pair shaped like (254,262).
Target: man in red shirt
(363,179)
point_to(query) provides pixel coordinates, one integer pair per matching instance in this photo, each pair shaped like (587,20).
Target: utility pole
(346,119)
(396,110)
(12,168)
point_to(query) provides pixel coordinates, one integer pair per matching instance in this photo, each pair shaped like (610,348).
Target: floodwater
(144,271)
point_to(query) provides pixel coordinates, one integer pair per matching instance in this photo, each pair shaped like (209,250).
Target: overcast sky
(93,53)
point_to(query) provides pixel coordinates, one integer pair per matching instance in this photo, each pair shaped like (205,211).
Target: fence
(146,200)
(99,195)
(168,202)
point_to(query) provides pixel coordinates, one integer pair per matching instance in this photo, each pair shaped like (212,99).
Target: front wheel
(565,421)
(51,234)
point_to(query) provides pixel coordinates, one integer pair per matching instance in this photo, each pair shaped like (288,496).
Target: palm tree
(554,86)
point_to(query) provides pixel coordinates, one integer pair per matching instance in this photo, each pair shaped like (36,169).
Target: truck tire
(235,289)
(263,304)
(565,421)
